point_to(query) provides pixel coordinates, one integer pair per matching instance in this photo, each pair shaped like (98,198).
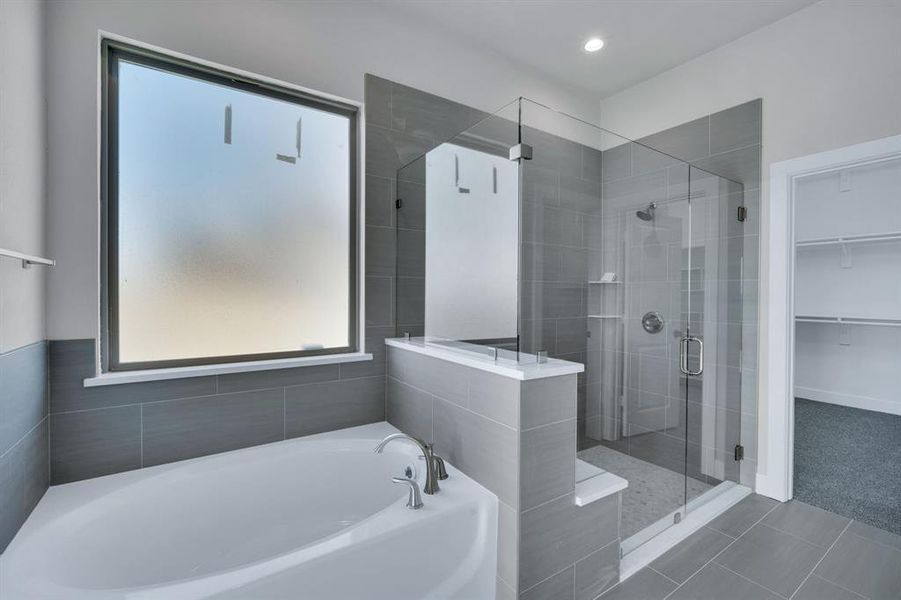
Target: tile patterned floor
(653,491)
(763,550)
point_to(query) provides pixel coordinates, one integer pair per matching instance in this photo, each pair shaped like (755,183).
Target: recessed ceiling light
(593,45)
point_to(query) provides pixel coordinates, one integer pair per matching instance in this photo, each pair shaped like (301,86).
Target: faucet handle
(437,465)
(414,499)
(440,470)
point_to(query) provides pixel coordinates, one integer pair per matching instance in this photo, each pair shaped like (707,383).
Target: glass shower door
(657,221)
(606,229)
(631,263)
(713,290)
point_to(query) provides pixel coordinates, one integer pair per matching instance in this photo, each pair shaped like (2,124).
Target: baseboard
(764,486)
(850,400)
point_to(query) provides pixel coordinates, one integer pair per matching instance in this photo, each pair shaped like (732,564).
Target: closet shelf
(893,236)
(849,321)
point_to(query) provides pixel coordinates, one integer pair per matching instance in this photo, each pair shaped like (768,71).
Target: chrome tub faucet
(434,470)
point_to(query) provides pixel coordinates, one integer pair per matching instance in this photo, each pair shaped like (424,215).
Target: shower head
(648,213)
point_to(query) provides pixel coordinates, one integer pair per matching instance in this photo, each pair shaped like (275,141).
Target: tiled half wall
(518,439)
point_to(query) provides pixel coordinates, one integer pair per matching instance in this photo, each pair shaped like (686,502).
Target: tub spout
(431,477)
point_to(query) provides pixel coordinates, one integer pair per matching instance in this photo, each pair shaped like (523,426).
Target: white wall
(322,45)
(22,170)
(829,76)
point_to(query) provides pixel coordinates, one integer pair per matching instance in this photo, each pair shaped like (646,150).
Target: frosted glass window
(230,222)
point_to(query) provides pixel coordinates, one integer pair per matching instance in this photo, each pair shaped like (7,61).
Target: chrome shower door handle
(700,356)
(683,356)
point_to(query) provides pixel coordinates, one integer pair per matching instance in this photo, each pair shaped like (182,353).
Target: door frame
(776,440)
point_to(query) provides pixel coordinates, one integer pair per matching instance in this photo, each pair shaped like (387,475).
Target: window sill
(121,377)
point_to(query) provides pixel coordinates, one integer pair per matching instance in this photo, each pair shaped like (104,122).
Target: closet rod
(851,239)
(849,321)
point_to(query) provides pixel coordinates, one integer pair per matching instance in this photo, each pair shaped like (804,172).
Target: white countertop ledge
(122,377)
(471,355)
(599,486)
(586,470)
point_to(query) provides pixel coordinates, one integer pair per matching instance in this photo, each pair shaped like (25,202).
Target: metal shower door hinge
(398,203)
(739,452)
(519,151)
(742,214)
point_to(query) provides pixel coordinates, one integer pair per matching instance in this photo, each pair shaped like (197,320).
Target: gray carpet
(848,461)
(653,491)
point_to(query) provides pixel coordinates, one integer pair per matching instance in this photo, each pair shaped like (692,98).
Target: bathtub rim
(63,499)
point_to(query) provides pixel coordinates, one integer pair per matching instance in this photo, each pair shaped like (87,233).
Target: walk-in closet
(847,374)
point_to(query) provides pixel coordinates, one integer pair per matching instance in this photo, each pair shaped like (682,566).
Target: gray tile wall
(24,462)
(518,439)
(728,143)
(561,206)
(102,430)
(561,196)
(561,191)
(402,124)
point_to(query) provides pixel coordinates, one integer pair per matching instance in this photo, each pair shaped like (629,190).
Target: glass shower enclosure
(536,234)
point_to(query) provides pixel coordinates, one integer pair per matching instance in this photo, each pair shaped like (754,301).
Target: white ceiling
(643,37)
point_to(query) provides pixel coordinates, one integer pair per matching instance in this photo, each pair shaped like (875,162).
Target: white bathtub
(313,518)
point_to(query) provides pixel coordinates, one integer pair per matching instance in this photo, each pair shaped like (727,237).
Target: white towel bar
(27,259)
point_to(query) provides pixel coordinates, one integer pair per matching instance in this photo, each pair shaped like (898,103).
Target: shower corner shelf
(599,282)
(605,316)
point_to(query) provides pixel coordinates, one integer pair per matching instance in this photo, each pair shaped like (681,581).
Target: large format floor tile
(761,549)
(863,566)
(644,585)
(715,582)
(807,522)
(697,550)
(876,535)
(816,588)
(771,558)
(741,517)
